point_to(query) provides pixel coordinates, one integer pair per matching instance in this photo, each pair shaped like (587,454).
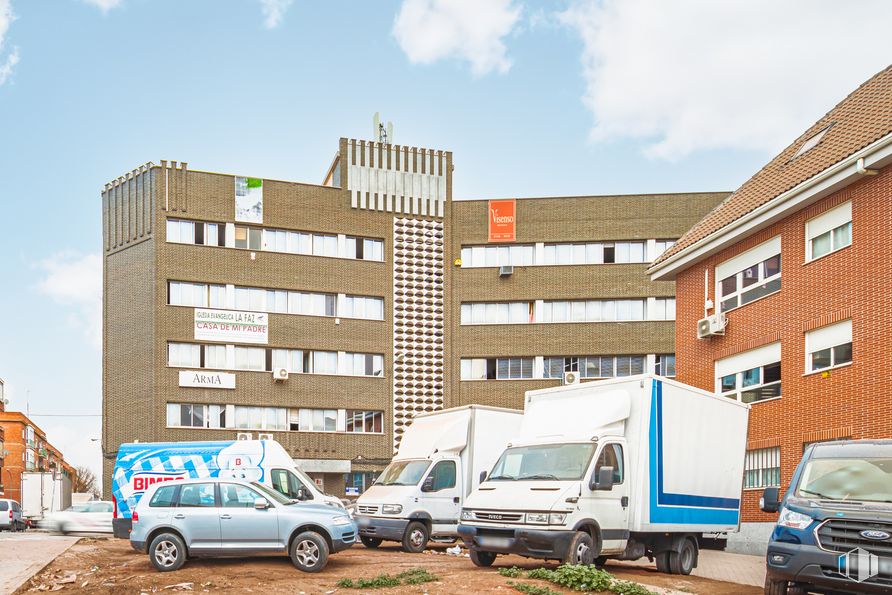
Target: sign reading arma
(201,379)
(502,220)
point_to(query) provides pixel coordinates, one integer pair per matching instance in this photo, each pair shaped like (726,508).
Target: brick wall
(852,283)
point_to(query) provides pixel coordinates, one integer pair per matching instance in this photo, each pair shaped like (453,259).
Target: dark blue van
(834,530)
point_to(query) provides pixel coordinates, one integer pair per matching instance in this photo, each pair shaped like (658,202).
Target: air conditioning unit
(244,436)
(711,326)
(280,374)
(264,436)
(506,270)
(570,378)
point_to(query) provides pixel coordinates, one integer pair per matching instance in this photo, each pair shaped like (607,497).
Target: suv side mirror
(770,500)
(428,485)
(261,503)
(604,480)
(482,476)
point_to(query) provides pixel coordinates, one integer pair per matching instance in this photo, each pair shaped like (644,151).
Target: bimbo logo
(141,481)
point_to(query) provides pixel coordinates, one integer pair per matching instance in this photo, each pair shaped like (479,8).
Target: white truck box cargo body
(699,483)
(44,493)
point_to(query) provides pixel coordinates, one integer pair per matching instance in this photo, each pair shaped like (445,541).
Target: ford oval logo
(875,535)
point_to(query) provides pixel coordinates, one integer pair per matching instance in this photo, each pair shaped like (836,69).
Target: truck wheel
(580,550)
(370,542)
(309,552)
(483,559)
(167,552)
(684,560)
(662,560)
(773,587)
(415,538)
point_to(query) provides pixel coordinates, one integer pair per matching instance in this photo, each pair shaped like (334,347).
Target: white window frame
(827,337)
(740,263)
(764,462)
(740,363)
(828,222)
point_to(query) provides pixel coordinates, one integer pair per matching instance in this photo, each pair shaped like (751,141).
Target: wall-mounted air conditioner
(506,270)
(280,374)
(244,436)
(570,378)
(711,326)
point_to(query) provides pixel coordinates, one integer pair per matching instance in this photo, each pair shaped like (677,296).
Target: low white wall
(752,539)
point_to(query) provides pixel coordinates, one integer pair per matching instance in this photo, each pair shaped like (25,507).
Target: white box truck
(44,493)
(441,458)
(625,468)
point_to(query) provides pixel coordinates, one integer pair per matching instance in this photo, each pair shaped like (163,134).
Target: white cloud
(75,280)
(273,11)
(746,74)
(472,30)
(7,64)
(104,5)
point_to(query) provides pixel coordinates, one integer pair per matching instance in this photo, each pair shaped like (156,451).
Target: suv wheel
(773,587)
(370,542)
(580,550)
(309,552)
(483,559)
(167,552)
(415,538)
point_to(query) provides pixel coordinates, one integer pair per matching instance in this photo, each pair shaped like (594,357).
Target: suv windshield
(554,462)
(847,479)
(403,473)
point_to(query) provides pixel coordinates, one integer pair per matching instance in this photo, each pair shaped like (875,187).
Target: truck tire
(415,538)
(167,552)
(683,560)
(662,560)
(483,559)
(581,549)
(370,542)
(773,587)
(309,552)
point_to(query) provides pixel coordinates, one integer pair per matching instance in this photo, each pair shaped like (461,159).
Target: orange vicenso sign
(502,220)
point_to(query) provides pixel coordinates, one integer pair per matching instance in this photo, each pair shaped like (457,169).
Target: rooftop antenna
(383,134)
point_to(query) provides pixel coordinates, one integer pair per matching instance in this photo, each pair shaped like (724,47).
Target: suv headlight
(793,519)
(467,515)
(392,508)
(537,518)
(557,518)
(340,521)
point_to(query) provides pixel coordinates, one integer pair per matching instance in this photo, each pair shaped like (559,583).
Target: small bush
(531,589)
(415,576)
(542,574)
(628,588)
(587,578)
(512,572)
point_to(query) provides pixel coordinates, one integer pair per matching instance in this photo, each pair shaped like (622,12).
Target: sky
(534,98)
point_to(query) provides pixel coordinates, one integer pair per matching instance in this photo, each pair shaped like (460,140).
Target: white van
(625,468)
(442,457)
(141,464)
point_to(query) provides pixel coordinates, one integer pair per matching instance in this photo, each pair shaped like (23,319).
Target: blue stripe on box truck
(680,509)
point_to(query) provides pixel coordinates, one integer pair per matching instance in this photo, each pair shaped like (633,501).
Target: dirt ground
(111,566)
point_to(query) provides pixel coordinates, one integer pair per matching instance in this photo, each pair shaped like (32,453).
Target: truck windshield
(865,480)
(554,462)
(403,473)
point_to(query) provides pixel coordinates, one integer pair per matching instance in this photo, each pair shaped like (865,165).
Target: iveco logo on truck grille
(495,517)
(875,535)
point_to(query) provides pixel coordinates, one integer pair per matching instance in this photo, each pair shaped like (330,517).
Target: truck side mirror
(482,476)
(301,493)
(604,480)
(428,485)
(770,500)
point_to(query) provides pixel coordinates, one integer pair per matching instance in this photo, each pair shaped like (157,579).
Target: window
(286,483)
(260,418)
(751,376)
(761,468)
(442,476)
(365,422)
(199,295)
(183,355)
(364,364)
(368,308)
(662,309)
(497,313)
(611,456)
(237,496)
(494,256)
(592,310)
(661,246)
(750,276)
(250,358)
(514,368)
(812,142)
(324,362)
(595,366)
(248,237)
(188,415)
(317,420)
(164,497)
(364,249)
(828,346)
(197,495)
(478,369)
(665,365)
(180,232)
(829,232)
(325,245)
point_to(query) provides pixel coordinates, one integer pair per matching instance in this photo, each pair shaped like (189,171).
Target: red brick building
(26,449)
(795,266)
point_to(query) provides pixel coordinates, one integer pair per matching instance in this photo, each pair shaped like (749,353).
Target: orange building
(780,293)
(26,449)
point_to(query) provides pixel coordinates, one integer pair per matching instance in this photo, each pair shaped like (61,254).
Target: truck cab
(834,528)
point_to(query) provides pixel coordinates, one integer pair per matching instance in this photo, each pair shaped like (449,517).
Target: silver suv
(11,516)
(226,517)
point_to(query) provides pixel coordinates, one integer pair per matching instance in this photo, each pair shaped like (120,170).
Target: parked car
(88,517)
(228,517)
(11,516)
(441,458)
(834,530)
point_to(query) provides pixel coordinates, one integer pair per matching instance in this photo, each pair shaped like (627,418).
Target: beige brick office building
(326,316)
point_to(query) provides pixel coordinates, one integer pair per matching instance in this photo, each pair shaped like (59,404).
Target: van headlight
(792,519)
(557,518)
(392,508)
(340,521)
(467,515)
(537,518)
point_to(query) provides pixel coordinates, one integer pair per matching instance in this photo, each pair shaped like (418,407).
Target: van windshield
(403,473)
(866,480)
(554,462)
(272,494)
